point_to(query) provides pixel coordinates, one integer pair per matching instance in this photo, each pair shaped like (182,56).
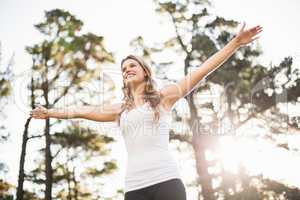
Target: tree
(78,148)
(80,145)
(21,178)
(197,35)
(63,64)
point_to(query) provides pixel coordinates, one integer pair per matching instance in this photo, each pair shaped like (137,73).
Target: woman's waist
(149,153)
(144,161)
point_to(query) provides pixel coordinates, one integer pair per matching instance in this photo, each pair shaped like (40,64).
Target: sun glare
(259,157)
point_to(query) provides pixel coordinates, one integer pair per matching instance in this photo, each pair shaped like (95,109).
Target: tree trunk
(69,177)
(22,161)
(200,143)
(205,179)
(48,156)
(76,192)
(21,178)
(48,162)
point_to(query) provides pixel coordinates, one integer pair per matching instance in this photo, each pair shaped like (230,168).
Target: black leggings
(172,189)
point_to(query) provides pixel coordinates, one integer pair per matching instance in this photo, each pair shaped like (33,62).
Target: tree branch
(177,34)
(35,136)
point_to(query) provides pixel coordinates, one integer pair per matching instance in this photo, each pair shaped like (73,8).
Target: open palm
(249,35)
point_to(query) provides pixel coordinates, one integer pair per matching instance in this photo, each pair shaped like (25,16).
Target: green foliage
(4,190)
(5,87)
(30,196)
(5,77)
(221,22)
(109,167)
(61,21)
(203,45)
(79,144)
(85,139)
(60,62)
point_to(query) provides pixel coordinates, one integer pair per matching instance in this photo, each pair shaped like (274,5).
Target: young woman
(144,118)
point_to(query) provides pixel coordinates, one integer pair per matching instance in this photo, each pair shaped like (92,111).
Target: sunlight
(259,157)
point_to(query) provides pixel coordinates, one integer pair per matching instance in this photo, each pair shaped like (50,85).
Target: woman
(143,116)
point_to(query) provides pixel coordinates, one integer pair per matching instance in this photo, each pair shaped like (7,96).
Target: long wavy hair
(151,94)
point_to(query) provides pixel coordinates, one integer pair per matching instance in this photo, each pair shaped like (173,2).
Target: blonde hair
(151,94)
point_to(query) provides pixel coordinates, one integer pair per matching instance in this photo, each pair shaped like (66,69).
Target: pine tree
(198,34)
(66,62)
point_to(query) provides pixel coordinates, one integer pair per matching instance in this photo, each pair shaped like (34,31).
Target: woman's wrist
(50,113)
(236,42)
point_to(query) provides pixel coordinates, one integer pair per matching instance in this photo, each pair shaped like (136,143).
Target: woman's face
(132,72)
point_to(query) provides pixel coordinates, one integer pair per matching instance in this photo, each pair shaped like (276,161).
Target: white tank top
(149,160)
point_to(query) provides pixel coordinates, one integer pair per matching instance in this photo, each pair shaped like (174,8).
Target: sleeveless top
(149,160)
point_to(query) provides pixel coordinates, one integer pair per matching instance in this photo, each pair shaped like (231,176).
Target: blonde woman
(144,119)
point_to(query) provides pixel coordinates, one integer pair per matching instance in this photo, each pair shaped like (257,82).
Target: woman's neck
(138,94)
(138,99)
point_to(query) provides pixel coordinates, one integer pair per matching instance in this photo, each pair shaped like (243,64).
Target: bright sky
(120,21)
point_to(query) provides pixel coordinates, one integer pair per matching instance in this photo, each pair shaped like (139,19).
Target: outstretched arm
(104,113)
(171,93)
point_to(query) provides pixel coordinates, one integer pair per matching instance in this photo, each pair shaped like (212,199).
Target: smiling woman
(152,172)
(138,85)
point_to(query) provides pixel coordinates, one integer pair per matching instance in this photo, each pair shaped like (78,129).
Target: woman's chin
(132,81)
(129,81)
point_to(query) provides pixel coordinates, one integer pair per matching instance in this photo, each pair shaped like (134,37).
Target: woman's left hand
(247,36)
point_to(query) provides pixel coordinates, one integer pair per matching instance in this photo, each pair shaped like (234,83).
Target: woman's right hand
(39,112)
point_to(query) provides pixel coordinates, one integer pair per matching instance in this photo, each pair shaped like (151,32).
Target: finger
(259,28)
(255,32)
(255,38)
(255,28)
(243,27)
(258,32)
